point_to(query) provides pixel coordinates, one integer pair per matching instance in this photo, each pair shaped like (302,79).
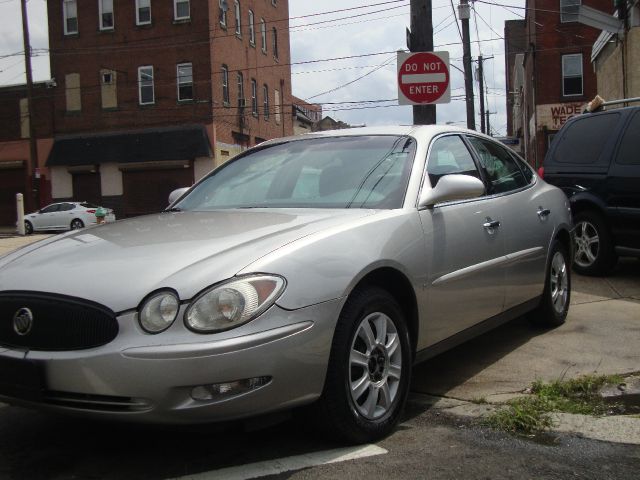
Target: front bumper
(149,378)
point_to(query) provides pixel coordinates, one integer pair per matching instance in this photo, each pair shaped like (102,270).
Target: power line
(455,17)
(387,62)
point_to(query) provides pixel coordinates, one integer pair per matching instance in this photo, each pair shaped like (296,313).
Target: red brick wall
(164,44)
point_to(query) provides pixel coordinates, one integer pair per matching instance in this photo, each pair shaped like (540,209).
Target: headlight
(233,303)
(158,311)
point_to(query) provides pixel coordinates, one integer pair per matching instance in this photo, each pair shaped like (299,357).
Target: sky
(359,31)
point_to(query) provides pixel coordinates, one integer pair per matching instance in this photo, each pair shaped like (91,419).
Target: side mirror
(452,187)
(176,194)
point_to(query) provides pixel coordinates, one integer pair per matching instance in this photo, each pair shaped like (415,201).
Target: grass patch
(579,395)
(526,415)
(531,414)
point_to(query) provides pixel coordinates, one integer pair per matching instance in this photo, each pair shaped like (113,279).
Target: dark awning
(158,144)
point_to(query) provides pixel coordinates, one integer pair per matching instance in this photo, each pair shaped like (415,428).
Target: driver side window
(450,155)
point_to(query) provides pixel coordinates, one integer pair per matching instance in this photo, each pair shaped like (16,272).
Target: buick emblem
(23,321)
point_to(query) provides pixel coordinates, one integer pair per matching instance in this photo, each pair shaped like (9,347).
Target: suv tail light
(541,172)
(91,211)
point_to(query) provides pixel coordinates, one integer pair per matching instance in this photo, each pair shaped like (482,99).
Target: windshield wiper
(173,209)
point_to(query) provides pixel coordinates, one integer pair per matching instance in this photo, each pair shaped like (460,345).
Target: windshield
(330,172)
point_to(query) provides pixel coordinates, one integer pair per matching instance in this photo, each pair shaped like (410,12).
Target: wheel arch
(584,201)
(564,237)
(398,285)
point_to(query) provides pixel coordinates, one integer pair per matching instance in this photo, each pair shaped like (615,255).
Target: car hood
(118,264)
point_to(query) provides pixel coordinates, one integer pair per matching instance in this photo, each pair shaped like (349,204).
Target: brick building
(551,79)
(17,174)
(305,115)
(152,95)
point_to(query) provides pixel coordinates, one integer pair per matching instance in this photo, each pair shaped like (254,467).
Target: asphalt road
(428,444)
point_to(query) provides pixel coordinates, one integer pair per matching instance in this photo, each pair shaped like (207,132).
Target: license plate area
(22,379)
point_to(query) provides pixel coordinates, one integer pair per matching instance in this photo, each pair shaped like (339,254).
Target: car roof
(423,131)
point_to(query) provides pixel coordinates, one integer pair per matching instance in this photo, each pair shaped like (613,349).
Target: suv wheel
(594,253)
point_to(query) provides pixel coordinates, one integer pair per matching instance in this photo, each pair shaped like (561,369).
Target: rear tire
(28,227)
(594,254)
(369,370)
(556,297)
(76,224)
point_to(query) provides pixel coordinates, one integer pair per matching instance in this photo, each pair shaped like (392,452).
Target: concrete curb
(615,429)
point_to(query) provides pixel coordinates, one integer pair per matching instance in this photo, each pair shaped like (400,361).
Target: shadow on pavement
(441,374)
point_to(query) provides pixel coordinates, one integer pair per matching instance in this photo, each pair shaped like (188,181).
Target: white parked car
(64,216)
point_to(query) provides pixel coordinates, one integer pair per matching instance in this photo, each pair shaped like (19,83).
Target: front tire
(369,369)
(554,306)
(594,253)
(28,227)
(76,224)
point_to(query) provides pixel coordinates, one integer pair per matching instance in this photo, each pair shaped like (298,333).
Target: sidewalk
(9,243)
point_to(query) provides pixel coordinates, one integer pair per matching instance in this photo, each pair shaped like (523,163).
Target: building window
(274,41)
(225,85)
(223,12)
(265,94)
(252,29)
(569,10)
(181,10)
(72,92)
(276,105)
(70,12)
(108,90)
(240,90)
(146,94)
(254,97)
(143,12)
(572,75)
(106,14)
(238,22)
(263,34)
(185,81)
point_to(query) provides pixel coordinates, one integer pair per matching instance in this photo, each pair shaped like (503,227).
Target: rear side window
(582,141)
(500,168)
(629,153)
(526,169)
(450,155)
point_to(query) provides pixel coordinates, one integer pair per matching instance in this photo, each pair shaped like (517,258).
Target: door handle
(543,212)
(491,224)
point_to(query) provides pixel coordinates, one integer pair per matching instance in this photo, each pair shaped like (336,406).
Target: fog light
(228,389)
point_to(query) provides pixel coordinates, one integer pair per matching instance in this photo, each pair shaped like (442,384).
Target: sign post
(423,78)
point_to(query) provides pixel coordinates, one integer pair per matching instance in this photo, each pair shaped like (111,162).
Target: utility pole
(33,148)
(488,114)
(484,128)
(465,14)
(421,40)
(481,82)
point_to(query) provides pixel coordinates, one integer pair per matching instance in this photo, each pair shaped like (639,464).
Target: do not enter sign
(423,78)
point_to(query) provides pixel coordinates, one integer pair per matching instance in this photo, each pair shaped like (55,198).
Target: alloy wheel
(559,282)
(375,365)
(587,242)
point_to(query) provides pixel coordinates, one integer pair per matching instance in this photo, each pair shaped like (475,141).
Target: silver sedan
(309,271)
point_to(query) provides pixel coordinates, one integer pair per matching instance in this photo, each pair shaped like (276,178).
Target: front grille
(59,322)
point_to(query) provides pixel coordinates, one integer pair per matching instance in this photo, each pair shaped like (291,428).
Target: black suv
(595,159)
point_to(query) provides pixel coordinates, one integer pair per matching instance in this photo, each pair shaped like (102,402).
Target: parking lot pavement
(600,336)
